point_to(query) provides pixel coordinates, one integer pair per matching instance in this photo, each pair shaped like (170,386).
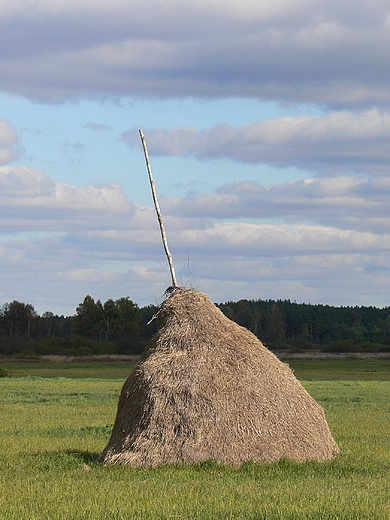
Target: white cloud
(340,141)
(238,238)
(324,239)
(326,279)
(88,275)
(8,142)
(229,260)
(346,202)
(97,126)
(323,51)
(149,275)
(29,199)
(73,150)
(24,182)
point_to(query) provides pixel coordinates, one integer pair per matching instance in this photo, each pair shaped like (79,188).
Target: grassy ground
(305,369)
(74,370)
(55,420)
(348,369)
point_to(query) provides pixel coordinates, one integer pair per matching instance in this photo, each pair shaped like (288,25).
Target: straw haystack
(207,389)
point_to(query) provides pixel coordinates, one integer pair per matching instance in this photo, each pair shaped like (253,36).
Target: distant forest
(121,327)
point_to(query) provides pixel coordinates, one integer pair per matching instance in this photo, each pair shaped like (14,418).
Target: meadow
(57,417)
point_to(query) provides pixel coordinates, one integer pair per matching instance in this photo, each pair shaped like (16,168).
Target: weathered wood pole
(158,211)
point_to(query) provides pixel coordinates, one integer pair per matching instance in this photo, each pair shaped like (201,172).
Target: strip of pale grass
(52,430)
(96,370)
(341,369)
(310,369)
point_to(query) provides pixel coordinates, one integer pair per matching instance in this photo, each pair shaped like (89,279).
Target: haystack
(208,389)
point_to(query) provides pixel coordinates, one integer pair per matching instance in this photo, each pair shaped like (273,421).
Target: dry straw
(208,389)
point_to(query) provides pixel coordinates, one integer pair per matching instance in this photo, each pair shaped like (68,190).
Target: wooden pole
(159,215)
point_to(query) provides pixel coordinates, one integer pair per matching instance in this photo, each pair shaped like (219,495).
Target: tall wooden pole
(159,215)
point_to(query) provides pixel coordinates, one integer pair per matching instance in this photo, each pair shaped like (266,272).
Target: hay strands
(159,215)
(208,389)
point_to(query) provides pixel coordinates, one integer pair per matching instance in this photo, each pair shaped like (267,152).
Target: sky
(268,129)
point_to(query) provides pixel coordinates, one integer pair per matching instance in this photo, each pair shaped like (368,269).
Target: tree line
(122,327)
(114,327)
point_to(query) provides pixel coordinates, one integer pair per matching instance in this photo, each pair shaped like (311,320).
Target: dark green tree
(89,320)
(18,319)
(128,326)
(117,321)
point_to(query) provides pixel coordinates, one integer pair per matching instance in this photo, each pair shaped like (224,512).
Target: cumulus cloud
(321,51)
(88,275)
(97,126)
(347,202)
(149,275)
(228,259)
(322,239)
(335,279)
(238,244)
(238,238)
(29,199)
(341,141)
(8,142)
(74,151)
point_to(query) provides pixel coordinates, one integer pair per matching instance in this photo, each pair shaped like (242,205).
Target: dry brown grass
(207,389)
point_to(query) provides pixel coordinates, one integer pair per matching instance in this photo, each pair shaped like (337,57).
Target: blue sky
(80,142)
(267,126)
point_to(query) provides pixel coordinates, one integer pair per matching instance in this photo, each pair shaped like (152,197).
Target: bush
(3,372)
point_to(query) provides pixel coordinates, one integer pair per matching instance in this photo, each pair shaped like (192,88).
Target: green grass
(345,369)
(328,369)
(52,429)
(75,370)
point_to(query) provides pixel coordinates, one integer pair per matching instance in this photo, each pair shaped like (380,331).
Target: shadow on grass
(344,465)
(63,459)
(87,457)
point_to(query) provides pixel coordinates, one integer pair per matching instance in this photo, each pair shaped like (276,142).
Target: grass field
(56,419)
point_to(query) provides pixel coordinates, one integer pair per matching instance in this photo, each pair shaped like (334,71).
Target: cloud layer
(321,51)
(229,260)
(336,142)
(344,202)
(8,143)
(30,200)
(320,239)
(74,241)
(324,238)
